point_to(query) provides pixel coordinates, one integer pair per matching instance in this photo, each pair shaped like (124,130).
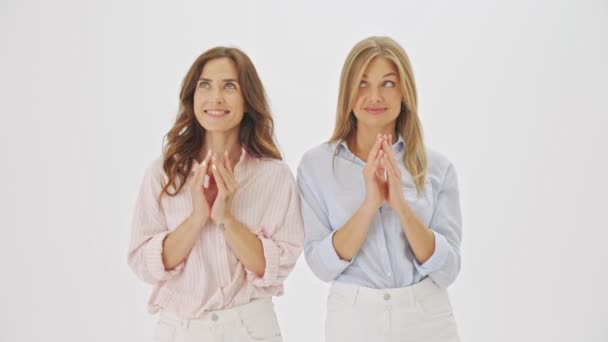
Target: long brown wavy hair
(185,139)
(408,124)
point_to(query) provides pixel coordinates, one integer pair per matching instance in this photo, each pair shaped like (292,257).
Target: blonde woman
(381,211)
(217,225)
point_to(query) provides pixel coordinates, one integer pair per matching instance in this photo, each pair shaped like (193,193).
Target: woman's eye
(204,84)
(230,85)
(388,84)
(363,84)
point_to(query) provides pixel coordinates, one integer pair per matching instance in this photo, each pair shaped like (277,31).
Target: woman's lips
(216,113)
(375,110)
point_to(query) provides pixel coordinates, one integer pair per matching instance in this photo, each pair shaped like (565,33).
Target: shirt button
(387,296)
(389,274)
(214,317)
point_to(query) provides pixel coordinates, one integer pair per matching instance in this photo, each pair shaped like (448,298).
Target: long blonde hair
(184,140)
(407,125)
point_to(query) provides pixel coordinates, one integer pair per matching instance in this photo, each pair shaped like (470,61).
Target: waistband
(211,318)
(402,297)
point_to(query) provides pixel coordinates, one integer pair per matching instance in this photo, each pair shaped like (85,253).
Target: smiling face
(378,99)
(218,101)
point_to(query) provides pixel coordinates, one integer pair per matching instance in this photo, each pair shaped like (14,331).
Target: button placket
(385,220)
(223,267)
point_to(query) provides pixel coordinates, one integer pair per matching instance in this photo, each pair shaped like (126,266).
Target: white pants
(421,312)
(255,321)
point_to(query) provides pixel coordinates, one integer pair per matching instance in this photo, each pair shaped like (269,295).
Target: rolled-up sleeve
(319,249)
(149,229)
(282,243)
(446,223)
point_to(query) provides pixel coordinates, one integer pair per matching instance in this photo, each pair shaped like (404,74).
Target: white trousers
(421,312)
(255,321)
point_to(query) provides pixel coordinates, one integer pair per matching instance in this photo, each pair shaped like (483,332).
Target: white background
(513,92)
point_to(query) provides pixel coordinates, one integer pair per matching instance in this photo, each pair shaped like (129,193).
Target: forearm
(246,246)
(349,238)
(178,243)
(420,238)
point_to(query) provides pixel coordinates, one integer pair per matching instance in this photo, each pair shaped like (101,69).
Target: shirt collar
(245,156)
(397,147)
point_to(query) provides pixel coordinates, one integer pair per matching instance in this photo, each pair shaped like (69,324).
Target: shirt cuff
(271,272)
(437,260)
(330,258)
(153,257)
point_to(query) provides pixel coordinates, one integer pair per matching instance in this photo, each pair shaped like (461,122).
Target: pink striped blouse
(211,277)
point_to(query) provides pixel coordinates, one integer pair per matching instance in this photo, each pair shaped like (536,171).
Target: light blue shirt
(332,189)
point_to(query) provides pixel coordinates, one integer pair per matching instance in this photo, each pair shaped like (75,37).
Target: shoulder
(273,170)
(276,166)
(439,166)
(437,160)
(317,156)
(154,169)
(153,176)
(320,151)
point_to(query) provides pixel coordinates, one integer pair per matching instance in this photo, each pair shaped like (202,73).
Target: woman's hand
(226,184)
(395,196)
(201,196)
(374,174)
